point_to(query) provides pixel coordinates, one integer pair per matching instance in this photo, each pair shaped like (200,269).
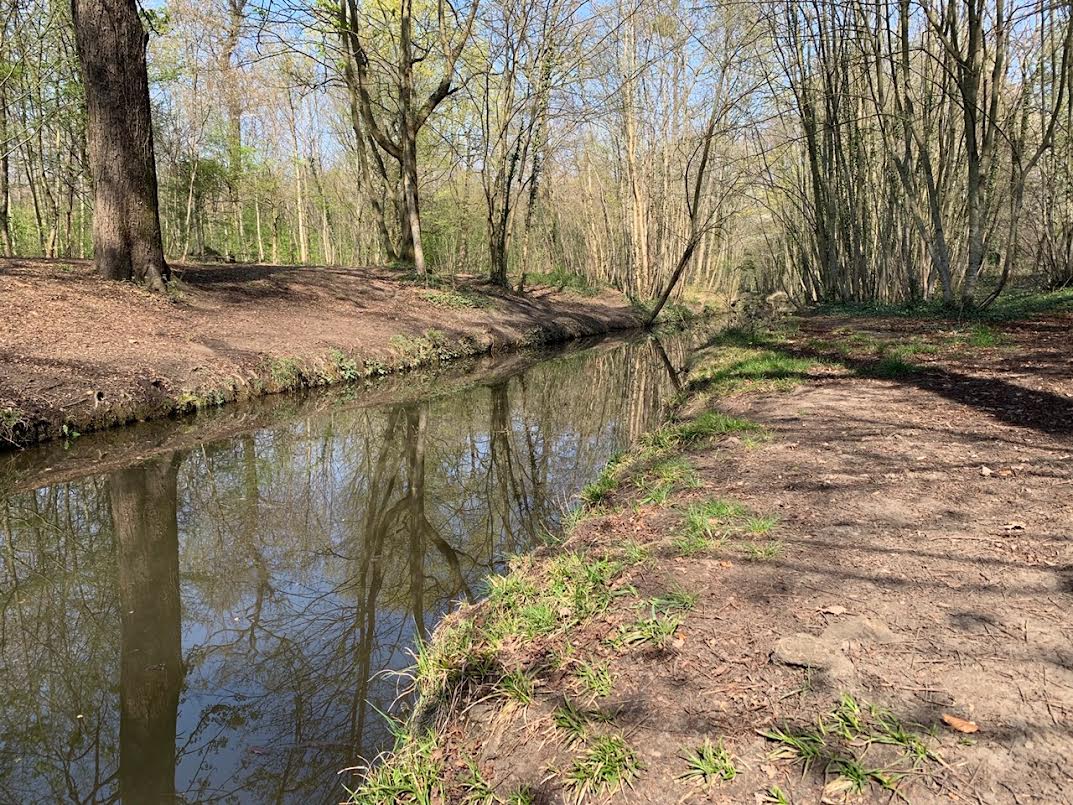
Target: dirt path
(79,352)
(812,597)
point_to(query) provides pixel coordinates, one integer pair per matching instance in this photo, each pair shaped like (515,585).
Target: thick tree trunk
(126,221)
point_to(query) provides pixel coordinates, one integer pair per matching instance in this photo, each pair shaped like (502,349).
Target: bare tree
(410,113)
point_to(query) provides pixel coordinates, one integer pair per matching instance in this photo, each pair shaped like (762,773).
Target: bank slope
(841,573)
(79,354)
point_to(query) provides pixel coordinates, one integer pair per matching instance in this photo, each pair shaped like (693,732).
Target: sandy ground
(923,565)
(81,352)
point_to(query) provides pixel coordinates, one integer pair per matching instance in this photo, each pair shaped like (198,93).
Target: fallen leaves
(959,724)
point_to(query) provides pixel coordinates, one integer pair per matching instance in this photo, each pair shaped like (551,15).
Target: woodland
(853,151)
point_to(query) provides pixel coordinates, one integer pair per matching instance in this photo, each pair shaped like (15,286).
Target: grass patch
(414,774)
(676,600)
(985,337)
(840,742)
(608,765)
(576,587)
(665,477)
(690,544)
(475,789)
(518,687)
(573,722)
(740,360)
(346,368)
(655,630)
(633,552)
(889,367)
(605,485)
(760,525)
(761,552)
(713,423)
(455,300)
(1013,305)
(523,796)
(286,373)
(595,677)
(429,347)
(709,763)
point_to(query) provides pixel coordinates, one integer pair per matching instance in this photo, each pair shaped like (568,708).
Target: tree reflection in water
(219,625)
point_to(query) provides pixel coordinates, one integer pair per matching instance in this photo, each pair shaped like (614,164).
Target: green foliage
(985,337)
(691,544)
(656,630)
(759,525)
(776,796)
(346,368)
(517,686)
(475,789)
(761,552)
(665,477)
(1013,305)
(709,763)
(414,773)
(286,373)
(523,796)
(713,423)
(595,677)
(430,347)
(604,768)
(889,367)
(742,360)
(572,721)
(839,741)
(674,600)
(633,552)
(603,487)
(456,300)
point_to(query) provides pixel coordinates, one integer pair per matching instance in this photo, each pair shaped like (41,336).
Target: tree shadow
(1040,410)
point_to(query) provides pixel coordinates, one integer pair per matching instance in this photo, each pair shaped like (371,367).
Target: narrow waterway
(210,610)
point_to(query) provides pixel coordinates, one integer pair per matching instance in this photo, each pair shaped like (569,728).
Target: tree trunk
(126,221)
(144,507)
(5,172)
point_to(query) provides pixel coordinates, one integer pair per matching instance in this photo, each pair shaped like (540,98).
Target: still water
(209,610)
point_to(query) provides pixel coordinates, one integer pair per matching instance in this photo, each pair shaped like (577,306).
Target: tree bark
(126,221)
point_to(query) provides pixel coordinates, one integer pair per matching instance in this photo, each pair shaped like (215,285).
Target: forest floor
(78,353)
(843,572)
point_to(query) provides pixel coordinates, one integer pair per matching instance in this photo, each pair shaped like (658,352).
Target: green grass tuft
(676,600)
(412,774)
(518,687)
(596,678)
(608,765)
(760,525)
(709,763)
(655,630)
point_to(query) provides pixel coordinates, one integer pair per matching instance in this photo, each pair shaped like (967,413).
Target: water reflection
(215,624)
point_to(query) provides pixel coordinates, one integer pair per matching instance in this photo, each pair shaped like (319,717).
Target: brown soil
(926,567)
(78,351)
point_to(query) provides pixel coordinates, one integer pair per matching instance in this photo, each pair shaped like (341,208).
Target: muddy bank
(79,354)
(841,573)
